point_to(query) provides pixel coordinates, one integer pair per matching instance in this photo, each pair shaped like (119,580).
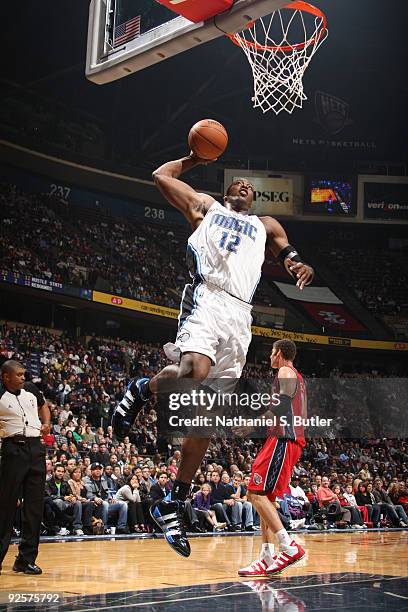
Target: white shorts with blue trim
(213,323)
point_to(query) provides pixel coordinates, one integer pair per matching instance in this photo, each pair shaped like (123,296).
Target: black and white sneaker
(125,413)
(167,514)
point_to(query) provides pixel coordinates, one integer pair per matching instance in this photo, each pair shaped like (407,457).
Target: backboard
(125,36)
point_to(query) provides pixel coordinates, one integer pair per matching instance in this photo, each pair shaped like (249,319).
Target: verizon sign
(386,200)
(272,196)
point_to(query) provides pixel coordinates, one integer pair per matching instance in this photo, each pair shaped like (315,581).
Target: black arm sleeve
(284,406)
(290,252)
(31,388)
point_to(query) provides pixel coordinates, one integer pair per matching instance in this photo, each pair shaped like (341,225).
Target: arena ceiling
(146,116)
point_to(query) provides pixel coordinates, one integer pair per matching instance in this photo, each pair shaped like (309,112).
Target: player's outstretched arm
(278,244)
(193,205)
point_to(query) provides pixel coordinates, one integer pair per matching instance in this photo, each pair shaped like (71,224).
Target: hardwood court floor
(132,565)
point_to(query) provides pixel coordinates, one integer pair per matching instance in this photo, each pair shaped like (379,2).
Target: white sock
(267,552)
(284,539)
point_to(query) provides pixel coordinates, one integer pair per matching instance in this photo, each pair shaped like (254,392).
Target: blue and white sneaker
(125,413)
(167,514)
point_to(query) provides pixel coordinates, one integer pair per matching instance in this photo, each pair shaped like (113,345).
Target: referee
(22,468)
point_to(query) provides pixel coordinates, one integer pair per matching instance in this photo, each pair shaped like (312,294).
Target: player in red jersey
(272,468)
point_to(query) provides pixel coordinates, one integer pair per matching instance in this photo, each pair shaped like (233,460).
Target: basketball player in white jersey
(225,255)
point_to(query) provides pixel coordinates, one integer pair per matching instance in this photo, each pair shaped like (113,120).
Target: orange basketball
(208,139)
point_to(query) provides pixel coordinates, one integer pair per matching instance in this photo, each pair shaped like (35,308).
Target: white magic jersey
(228,250)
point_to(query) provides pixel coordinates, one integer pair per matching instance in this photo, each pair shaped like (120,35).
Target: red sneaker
(255,569)
(284,560)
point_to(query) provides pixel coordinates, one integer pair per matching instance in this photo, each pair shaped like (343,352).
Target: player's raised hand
(200,160)
(303,273)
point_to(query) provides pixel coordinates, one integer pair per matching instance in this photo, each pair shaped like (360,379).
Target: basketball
(208,139)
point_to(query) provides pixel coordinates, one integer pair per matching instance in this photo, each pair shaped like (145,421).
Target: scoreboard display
(334,196)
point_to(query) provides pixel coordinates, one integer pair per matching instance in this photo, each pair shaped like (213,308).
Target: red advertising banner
(333,316)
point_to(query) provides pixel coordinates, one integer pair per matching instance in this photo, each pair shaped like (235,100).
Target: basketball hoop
(278,67)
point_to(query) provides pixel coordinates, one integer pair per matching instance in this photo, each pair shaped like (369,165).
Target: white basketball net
(279,58)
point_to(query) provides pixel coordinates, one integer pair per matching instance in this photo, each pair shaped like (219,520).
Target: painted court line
(395,595)
(211,596)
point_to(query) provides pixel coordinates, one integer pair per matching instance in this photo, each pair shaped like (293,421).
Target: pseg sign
(272,196)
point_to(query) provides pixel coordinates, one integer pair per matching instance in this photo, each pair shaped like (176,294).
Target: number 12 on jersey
(229,242)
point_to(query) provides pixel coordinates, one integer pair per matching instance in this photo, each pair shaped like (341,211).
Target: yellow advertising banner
(379,345)
(129,304)
(280,334)
(266,332)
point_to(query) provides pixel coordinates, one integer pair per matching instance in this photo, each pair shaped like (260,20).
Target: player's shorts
(273,466)
(214,323)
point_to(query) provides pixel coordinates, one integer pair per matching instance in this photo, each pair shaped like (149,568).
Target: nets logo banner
(272,196)
(334,316)
(332,113)
(386,200)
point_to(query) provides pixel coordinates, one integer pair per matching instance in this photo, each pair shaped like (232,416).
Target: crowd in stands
(378,277)
(141,261)
(35,240)
(41,238)
(86,378)
(94,479)
(114,483)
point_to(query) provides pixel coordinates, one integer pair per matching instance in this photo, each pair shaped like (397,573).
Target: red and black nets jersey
(290,427)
